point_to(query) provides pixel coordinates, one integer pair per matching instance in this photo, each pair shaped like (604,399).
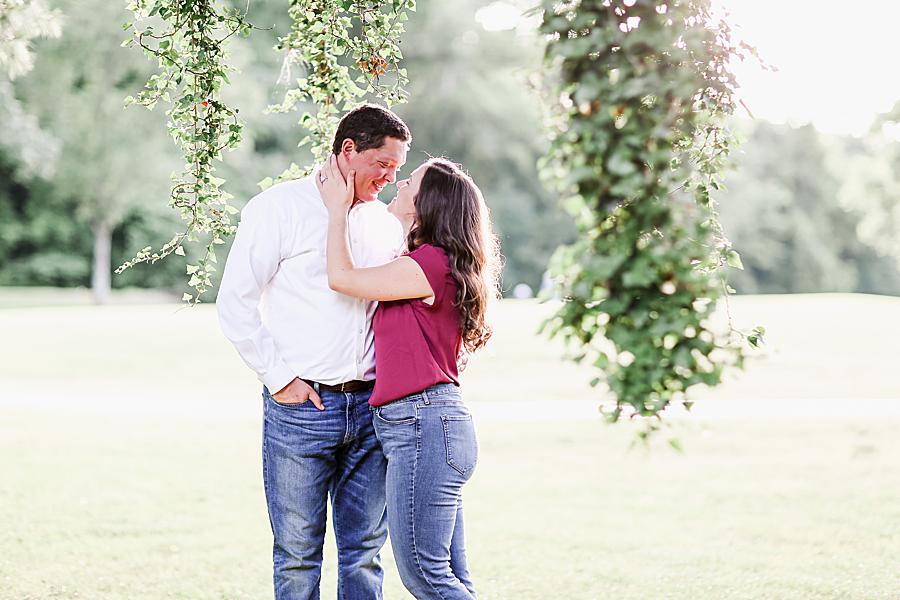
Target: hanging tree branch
(642,89)
(346,50)
(188,39)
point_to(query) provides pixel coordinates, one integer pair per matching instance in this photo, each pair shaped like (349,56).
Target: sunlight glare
(833,71)
(498,16)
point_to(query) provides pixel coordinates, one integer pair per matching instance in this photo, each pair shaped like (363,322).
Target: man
(312,348)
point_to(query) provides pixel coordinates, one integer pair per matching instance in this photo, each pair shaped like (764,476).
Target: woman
(432,312)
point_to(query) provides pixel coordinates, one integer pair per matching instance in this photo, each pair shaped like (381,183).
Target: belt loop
(425,397)
(316,386)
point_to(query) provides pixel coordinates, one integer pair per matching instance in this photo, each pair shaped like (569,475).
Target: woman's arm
(399,279)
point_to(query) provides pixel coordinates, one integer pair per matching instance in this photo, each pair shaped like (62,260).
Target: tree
(805,208)
(21,22)
(871,185)
(781,208)
(112,162)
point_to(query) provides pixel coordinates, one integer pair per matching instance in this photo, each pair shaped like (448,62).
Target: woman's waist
(437,394)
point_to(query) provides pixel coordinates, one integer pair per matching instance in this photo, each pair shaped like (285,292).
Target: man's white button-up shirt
(274,303)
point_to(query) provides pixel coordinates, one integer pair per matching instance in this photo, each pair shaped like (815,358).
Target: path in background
(830,354)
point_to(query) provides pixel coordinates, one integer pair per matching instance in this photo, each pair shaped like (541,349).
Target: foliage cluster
(347,50)
(22,22)
(188,39)
(641,92)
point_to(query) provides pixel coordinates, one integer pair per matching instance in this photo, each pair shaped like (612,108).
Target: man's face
(376,167)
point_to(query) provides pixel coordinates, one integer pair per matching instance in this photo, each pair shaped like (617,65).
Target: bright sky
(836,60)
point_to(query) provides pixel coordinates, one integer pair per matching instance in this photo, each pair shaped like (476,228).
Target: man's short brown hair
(367,125)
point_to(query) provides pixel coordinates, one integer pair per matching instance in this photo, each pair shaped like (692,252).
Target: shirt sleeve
(434,263)
(254,258)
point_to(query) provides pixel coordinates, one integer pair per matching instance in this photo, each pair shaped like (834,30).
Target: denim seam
(266,486)
(445,421)
(446,427)
(265,465)
(412,508)
(347,402)
(337,536)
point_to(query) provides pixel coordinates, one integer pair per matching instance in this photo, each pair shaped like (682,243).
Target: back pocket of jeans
(462,446)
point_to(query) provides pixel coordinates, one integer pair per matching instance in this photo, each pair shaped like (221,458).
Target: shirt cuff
(277,378)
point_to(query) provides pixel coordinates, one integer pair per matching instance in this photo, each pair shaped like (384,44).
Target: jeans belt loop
(425,397)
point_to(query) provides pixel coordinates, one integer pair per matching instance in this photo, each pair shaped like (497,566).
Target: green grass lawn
(130,467)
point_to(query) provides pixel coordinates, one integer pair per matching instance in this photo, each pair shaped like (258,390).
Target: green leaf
(620,165)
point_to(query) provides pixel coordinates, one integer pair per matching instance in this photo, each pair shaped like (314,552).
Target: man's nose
(391,175)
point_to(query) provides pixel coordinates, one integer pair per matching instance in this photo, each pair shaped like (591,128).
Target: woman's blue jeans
(431,448)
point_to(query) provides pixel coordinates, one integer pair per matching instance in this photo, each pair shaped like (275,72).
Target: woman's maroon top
(417,344)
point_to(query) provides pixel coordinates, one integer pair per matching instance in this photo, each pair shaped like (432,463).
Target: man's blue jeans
(431,448)
(308,455)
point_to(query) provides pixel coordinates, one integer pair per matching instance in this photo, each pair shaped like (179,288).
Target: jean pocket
(291,406)
(462,445)
(397,413)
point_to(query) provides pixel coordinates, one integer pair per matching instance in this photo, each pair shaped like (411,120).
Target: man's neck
(343,167)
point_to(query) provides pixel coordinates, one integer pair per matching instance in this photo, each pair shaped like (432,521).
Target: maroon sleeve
(435,265)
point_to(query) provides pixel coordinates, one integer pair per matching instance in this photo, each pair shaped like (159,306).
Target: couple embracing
(355,318)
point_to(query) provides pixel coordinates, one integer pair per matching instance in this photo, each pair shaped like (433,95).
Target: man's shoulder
(287,194)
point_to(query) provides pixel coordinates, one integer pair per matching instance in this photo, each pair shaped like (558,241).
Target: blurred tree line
(84,182)
(812,213)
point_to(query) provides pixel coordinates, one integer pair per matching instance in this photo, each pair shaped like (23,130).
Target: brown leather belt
(356,385)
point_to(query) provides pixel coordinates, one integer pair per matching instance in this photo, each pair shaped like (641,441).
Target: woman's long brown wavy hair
(451,214)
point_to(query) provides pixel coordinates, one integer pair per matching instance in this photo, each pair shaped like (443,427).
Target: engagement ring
(322,177)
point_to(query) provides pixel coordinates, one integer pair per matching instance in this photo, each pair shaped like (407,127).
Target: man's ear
(348,148)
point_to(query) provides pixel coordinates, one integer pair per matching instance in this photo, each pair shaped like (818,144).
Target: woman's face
(403,205)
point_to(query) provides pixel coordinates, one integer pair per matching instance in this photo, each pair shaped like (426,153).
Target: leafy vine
(188,39)
(641,92)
